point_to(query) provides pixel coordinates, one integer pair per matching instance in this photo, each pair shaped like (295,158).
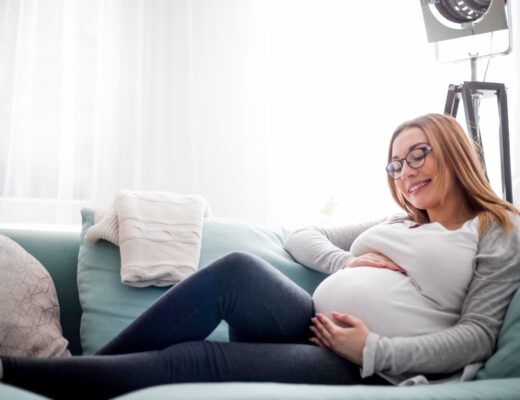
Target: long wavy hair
(456,152)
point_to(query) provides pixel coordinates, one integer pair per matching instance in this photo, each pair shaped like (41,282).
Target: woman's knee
(240,257)
(240,266)
(241,261)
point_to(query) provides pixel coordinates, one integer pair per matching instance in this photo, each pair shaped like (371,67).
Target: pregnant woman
(420,294)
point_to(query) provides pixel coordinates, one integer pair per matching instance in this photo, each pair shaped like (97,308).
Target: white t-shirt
(439,264)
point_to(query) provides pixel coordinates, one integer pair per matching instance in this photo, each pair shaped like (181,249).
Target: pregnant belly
(386,301)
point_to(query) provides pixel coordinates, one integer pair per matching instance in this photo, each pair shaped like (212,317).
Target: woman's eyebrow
(413,146)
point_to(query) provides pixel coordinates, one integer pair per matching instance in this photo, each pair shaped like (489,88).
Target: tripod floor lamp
(447,20)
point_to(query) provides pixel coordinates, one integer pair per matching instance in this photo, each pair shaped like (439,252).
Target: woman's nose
(407,171)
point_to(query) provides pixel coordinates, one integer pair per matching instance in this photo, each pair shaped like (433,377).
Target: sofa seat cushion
(109,306)
(29,309)
(505,389)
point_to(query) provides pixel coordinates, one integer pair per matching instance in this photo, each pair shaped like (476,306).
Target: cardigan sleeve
(324,249)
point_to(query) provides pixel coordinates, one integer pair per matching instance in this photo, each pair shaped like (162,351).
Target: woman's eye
(417,156)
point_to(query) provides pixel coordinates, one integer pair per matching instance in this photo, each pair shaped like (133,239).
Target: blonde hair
(455,152)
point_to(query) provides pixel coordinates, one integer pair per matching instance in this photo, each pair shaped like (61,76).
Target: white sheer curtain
(277,112)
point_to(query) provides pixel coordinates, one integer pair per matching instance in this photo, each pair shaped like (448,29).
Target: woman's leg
(202,361)
(259,303)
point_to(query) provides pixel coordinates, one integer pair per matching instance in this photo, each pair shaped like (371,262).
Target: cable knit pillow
(29,309)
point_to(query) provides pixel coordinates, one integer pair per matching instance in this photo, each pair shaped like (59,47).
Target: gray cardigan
(460,349)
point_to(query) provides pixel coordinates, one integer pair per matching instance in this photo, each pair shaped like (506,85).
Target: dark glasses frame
(413,159)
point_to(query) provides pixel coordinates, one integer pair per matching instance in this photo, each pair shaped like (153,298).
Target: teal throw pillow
(505,363)
(109,306)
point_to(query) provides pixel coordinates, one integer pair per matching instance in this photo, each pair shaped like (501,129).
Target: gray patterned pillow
(29,309)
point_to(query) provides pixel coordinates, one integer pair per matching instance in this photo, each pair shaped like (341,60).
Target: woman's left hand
(346,338)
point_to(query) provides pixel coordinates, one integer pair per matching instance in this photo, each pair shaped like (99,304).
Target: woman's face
(417,186)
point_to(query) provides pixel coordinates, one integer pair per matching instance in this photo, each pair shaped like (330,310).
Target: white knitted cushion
(29,309)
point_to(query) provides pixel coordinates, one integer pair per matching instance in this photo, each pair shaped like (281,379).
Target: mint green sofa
(58,252)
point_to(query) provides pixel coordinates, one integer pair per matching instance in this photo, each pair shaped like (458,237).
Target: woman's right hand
(373,259)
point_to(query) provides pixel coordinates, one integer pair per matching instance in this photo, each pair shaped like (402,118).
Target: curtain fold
(278,112)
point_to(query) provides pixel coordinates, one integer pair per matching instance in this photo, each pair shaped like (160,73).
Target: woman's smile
(418,187)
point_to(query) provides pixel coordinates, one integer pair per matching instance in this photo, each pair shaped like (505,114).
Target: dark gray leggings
(269,318)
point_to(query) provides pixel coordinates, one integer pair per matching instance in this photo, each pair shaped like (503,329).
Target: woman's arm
(325,249)
(473,338)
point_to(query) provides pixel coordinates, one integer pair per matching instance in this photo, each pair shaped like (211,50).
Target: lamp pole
(474,119)
(473,62)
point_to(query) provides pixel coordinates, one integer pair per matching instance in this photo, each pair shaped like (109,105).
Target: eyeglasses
(415,159)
